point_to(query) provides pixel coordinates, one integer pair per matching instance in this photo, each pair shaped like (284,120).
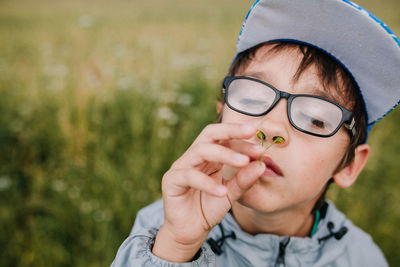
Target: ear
(348,175)
(220,105)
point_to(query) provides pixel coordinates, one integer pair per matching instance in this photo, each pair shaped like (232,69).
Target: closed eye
(314,122)
(249,101)
(317,123)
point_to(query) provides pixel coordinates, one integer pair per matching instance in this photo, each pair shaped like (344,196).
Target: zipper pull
(280,261)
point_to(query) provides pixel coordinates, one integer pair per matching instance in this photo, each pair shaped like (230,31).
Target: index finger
(216,132)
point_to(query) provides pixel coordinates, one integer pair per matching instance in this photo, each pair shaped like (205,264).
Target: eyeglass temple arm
(351,127)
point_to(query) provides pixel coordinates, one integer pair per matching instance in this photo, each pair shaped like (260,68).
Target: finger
(252,150)
(215,153)
(247,148)
(244,179)
(178,182)
(210,168)
(225,131)
(210,152)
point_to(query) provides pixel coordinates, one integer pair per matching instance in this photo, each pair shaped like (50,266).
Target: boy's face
(306,162)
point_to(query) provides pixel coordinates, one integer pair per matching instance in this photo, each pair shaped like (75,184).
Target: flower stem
(275,140)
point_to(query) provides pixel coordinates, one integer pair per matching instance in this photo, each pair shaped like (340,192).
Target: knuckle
(175,165)
(167,176)
(202,150)
(196,147)
(165,180)
(209,128)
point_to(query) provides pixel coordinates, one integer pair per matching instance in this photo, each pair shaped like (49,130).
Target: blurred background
(98,98)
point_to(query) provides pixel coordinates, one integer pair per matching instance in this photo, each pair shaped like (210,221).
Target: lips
(271,169)
(270,165)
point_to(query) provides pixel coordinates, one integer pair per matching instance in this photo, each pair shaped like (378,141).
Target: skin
(195,196)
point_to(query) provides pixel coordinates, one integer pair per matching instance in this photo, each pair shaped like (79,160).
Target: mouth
(272,169)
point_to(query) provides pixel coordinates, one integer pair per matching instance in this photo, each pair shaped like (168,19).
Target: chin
(258,203)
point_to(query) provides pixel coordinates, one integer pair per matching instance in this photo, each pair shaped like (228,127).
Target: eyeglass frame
(347,116)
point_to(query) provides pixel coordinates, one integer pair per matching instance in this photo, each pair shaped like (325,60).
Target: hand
(195,196)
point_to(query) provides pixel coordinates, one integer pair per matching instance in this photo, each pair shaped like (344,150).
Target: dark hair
(333,75)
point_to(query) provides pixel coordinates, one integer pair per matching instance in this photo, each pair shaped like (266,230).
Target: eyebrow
(263,76)
(318,92)
(323,93)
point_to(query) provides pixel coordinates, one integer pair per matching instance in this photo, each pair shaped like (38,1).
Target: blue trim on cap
(369,126)
(245,19)
(376,19)
(384,115)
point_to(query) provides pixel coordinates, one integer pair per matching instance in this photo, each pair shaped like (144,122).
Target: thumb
(244,179)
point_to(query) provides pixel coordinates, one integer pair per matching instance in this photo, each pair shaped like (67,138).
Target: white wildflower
(5,182)
(185,99)
(164,132)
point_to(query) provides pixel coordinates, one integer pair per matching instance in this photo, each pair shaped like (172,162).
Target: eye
(317,123)
(249,101)
(312,121)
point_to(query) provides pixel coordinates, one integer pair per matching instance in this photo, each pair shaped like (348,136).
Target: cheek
(312,171)
(228,115)
(321,159)
(231,116)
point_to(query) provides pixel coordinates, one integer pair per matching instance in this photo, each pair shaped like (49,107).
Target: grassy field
(99,98)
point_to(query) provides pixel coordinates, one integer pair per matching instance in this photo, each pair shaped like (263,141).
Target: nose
(276,123)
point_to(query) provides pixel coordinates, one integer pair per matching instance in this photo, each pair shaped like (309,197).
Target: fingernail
(257,148)
(239,158)
(221,190)
(262,165)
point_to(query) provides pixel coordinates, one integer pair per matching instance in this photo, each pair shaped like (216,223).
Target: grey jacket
(337,242)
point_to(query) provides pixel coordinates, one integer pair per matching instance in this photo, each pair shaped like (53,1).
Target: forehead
(280,67)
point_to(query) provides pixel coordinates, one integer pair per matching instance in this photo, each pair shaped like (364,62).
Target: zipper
(280,261)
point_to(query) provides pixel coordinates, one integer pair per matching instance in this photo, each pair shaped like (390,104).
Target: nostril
(278,140)
(260,135)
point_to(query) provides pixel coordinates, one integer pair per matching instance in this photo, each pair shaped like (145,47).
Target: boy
(317,74)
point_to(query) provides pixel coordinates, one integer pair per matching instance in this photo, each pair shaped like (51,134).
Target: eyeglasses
(310,114)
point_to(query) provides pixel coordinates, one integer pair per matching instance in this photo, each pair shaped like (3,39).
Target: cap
(363,44)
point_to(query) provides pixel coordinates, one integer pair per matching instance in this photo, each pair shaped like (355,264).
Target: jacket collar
(270,242)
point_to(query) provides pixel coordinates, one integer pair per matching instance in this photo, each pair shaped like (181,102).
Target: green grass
(82,144)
